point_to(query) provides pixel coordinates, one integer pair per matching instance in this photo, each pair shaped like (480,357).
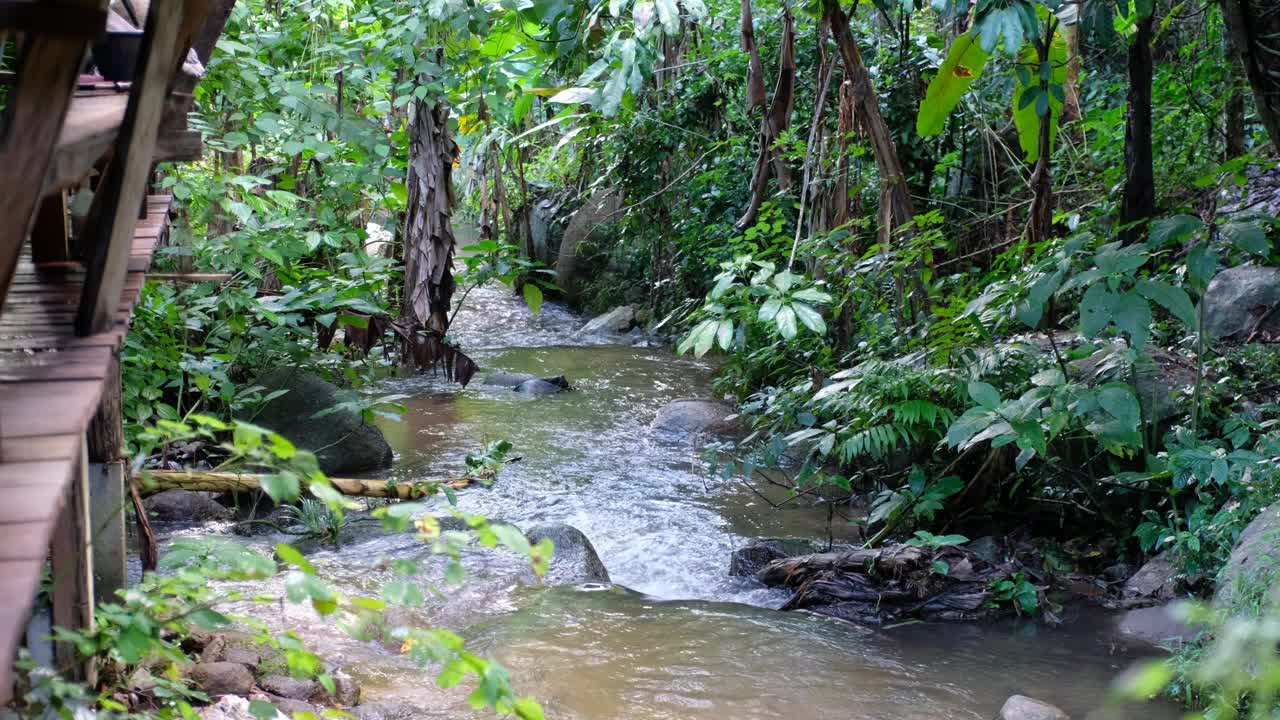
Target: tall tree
(1139,202)
(1254,28)
(895,197)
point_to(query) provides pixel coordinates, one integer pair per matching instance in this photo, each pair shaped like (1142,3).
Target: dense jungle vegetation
(957,262)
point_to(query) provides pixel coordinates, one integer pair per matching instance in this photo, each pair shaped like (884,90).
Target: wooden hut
(67,295)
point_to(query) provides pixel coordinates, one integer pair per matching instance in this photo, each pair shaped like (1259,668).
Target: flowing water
(675,637)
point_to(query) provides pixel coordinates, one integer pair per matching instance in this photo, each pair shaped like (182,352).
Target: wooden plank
(37,472)
(43,447)
(124,188)
(30,503)
(50,65)
(47,408)
(25,541)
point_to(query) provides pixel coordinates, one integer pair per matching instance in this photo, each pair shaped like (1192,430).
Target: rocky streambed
(655,626)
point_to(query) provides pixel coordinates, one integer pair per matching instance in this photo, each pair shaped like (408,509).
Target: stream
(674,637)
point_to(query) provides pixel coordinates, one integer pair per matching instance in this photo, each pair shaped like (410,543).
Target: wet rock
(230,707)
(988,548)
(1157,380)
(290,687)
(1021,707)
(386,711)
(289,706)
(1118,572)
(1238,298)
(543,386)
(618,321)
(575,560)
(1159,625)
(585,227)
(346,691)
(184,506)
(248,657)
(1155,581)
(342,441)
(751,558)
(220,678)
(506,379)
(696,417)
(1254,564)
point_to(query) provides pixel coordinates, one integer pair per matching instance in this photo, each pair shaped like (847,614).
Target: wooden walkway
(51,382)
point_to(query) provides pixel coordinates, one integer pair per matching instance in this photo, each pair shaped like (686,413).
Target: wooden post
(108,478)
(109,235)
(51,233)
(73,569)
(106,522)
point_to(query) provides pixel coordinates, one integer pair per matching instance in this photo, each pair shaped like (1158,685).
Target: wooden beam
(73,569)
(51,234)
(192,277)
(48,68)
(158,480)
(92,126)
(110,234)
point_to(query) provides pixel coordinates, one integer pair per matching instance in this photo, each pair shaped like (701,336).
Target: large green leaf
(1029,99)
(1174,299)
(963,65)
(1133,317)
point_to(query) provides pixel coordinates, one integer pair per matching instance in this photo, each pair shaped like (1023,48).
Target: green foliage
(1017,592)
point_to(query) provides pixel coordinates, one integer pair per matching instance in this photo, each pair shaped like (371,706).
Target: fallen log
(154,481)
(891,583)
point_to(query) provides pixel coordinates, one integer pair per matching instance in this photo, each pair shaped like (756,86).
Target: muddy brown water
(675,637)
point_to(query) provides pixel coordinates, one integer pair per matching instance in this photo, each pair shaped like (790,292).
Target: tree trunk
(157,480)
(428,236)
(1233,120)
(895,197)
(1139,186)
(1254,29)
(1041,220)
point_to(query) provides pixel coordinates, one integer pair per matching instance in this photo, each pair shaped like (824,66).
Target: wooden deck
(50,384)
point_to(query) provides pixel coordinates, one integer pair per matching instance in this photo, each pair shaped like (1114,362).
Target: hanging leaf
(1248,236)
(1173,230)
(668,15)
(1031,103)
(786,320)
(962,67)
(574,96)
(1096,310)
(1014,20)
(533,297)
(1173,299)
(1133,318)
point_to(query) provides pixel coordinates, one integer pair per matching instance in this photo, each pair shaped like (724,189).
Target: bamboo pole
(157,480)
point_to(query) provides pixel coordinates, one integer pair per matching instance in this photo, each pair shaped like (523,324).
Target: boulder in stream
(617,321)
(506,379)
(184,506)
(697,417)
(1155,581)
(342,441)
(543,386)
(585,227)
(1021,707)
(290,687)
(751,558)
(575,561)
(220,678)
(1161,625)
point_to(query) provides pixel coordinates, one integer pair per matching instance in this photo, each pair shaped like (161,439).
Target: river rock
(290,687)
(507,380)
(342,441)
(288,706)
(230,707)
(386,711)
(695,417)
(1156,580)
(585,227)
(543,386)
(575,560)
(220,678)
(1236,299)
(1252,568)
(1159,625)
(617,321)
(184,506)
(1021,707)
(750,559)
(346,691)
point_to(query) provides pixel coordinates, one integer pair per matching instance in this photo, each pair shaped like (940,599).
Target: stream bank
(676,636)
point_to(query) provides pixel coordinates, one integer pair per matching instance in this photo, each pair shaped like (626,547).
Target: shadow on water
(676,637)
